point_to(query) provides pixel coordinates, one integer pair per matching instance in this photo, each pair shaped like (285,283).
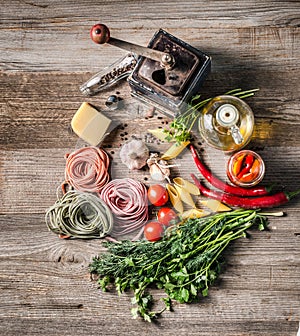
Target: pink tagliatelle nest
(87,169)
(127,199)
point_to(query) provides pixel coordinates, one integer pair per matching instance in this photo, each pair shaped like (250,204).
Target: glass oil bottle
(226,123)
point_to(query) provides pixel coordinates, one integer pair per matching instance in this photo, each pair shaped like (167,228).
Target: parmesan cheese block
(89,124)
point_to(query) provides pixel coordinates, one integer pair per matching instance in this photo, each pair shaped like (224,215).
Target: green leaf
(147,317)
(263,224)
(134,312)
(159,285)
(129,261)
(179,274)
(169,138)
(169,286)
(184,270)
(205,291)
(193,290)
(185,294)
(176,294)
(123,286)
(195,98)
(134,300)
(118,286)
(145,301)
(212,275)
(168,303)
(103,283)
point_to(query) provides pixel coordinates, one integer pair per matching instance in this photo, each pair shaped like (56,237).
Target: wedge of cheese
(90,124)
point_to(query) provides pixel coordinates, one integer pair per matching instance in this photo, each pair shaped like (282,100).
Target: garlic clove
(158,169)
(156,173)
(152,159)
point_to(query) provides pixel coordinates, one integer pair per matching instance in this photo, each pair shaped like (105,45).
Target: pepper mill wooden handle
(100,34)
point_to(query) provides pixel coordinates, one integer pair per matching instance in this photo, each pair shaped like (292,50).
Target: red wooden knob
(100,33)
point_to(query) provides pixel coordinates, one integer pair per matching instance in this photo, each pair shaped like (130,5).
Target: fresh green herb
(181,127)
(184,263)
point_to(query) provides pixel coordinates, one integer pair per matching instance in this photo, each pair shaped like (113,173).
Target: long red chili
(268,201)
(213,180)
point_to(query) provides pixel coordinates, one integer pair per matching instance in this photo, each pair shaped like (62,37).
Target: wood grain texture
(35,34)
(45,54)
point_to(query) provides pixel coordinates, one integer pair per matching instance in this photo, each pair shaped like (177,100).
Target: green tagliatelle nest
(81,215)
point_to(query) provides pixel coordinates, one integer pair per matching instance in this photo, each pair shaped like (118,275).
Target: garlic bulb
(134,154)
(159,169)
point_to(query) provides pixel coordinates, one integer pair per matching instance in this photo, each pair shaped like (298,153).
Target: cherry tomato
(158,195)
(153,231)
(166,215)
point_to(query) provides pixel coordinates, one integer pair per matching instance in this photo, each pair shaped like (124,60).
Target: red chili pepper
(268,201)
(234,190)
(247,165)
(237,166)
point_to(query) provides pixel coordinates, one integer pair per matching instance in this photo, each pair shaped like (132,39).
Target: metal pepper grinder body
(168,72)
(169,88)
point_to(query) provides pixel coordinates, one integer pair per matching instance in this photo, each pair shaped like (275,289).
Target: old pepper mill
(166,74)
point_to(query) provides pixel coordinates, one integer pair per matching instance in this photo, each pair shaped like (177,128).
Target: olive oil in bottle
(226,123)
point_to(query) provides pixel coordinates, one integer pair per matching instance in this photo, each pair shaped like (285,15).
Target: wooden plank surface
(45,54)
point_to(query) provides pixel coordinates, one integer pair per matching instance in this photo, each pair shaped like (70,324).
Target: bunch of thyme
(181,127)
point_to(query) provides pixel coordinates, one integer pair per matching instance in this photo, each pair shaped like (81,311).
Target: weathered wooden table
(46,53)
